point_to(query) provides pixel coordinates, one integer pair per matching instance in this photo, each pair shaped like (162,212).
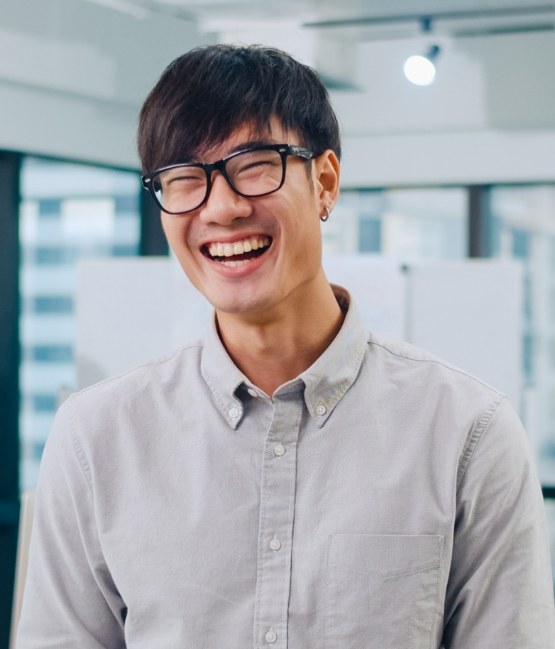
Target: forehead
(245,136)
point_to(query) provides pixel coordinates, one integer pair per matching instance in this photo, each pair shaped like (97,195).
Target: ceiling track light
(420,69)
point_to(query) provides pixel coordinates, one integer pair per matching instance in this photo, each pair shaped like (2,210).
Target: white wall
(73,75)
(489,116)
(449,158)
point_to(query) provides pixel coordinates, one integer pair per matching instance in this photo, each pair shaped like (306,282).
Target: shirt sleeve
(70,599)
(500,589)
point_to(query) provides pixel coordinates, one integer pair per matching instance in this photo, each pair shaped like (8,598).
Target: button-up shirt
(382,499)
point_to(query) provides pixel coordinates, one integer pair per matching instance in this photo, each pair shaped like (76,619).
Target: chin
(235,309)
(240,306)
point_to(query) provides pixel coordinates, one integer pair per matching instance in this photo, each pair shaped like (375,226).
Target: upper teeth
(237,247)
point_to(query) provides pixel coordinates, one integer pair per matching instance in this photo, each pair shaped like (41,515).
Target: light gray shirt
(381,500)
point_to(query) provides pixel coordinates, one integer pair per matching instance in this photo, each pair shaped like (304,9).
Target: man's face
(275,239)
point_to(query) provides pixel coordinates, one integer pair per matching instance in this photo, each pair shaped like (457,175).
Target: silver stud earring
(326,215)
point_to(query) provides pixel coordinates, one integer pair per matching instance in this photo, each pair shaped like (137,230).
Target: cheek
(307,240)
(176,232)
(168,229)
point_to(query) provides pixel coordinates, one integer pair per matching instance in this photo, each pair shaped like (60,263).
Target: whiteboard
(470,313)
(131,310)
(378,286)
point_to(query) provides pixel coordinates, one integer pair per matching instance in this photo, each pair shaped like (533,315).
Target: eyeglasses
(257,171)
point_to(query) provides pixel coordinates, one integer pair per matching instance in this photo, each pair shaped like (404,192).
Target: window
(410,224)
(522,222)
(68,211)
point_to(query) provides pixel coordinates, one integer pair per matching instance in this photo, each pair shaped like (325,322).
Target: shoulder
(415,363)
(453,402)
(422,385)
(139,385)
(161,369)
(103,421)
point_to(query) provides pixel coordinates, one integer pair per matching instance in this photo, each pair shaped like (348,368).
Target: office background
(462,168)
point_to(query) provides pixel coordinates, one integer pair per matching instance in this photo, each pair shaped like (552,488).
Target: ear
(326,181)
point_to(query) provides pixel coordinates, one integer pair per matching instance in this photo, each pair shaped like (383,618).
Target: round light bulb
(419,70)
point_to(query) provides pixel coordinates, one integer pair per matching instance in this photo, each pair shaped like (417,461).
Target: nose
(223,205)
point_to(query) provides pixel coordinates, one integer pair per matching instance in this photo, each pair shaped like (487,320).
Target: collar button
(321,409)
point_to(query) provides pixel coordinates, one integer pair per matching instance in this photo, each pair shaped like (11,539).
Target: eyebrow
(250,144)
(240,147)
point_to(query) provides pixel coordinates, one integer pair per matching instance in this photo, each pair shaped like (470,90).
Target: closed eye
(177,178)
(258,166)
(185,179)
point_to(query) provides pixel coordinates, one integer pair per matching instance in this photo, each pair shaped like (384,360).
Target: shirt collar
(332,374)
(325,381)
(222,376)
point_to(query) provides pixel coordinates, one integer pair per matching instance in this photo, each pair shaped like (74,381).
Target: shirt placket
(275,538)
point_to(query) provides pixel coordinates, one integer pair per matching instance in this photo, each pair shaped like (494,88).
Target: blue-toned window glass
(410,224)
(523,227)
(68,211)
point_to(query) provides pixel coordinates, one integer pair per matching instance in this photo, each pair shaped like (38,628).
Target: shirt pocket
(382,591)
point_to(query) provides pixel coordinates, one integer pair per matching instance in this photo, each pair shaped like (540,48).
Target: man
(292,480)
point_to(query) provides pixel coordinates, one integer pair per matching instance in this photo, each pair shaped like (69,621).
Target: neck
(272,350)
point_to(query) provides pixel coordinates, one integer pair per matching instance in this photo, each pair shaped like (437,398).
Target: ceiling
(365,18)
(328,34)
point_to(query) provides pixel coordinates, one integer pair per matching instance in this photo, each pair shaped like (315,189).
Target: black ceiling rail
(429,17)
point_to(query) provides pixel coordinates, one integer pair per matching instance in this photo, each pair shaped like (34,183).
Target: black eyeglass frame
(284,151)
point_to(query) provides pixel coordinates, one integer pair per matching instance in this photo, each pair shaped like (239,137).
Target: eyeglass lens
(251,173)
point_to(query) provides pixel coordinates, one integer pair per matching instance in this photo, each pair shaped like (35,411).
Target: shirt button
(321,409)
(279,450)
(252,392)
(234,412)
(275,544)
(271,636)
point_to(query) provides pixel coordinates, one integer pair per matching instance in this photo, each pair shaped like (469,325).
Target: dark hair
(210,91)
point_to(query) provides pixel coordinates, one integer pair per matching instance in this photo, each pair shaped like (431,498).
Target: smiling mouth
(238,251)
